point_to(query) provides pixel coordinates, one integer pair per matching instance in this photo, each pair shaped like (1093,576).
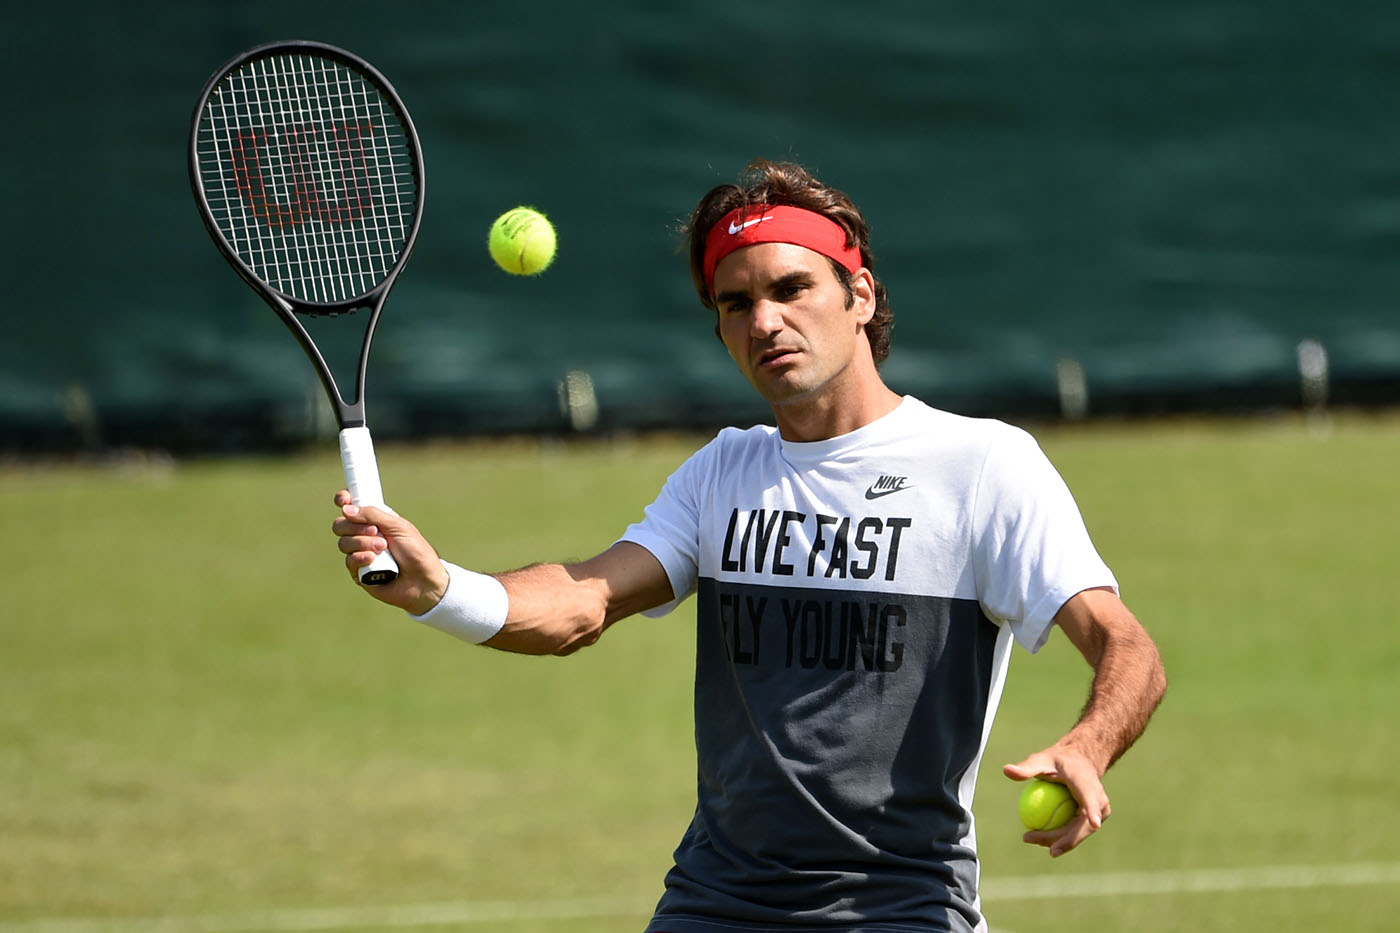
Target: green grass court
(204,726)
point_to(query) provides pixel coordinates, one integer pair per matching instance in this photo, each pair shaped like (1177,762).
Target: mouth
(777,356)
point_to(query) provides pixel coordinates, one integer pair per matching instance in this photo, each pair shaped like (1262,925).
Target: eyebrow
(782,281)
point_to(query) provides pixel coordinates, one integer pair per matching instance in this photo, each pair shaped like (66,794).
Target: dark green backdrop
(1174,194)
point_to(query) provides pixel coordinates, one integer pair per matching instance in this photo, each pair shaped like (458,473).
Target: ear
(863,295)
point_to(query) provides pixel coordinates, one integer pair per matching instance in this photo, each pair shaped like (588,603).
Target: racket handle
(362,479)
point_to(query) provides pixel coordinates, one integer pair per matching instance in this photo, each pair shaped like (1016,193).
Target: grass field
(203,726)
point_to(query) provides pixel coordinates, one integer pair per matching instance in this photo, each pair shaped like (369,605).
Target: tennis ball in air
(522,241)
(1046,805)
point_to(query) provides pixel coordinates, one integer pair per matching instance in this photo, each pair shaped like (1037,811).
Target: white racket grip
(362,479)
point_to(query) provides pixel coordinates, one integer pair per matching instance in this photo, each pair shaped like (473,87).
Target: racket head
(308,174)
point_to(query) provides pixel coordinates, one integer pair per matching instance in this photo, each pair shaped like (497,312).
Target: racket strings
(309,175)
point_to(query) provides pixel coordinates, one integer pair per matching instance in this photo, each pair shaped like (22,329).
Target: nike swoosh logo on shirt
(887,485)
(878,493)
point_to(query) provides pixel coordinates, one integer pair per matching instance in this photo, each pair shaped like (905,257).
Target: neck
(831,414)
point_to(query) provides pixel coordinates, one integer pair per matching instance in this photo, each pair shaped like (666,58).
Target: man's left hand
(1075,771)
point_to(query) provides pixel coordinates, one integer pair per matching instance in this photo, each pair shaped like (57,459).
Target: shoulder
(730,449)
(758,435)
(974,437)
(740,443)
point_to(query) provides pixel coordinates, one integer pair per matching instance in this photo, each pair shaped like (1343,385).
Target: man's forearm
(554,609)
(560,608)
(1129,683)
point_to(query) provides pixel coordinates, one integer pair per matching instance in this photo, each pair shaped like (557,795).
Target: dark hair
(773,183)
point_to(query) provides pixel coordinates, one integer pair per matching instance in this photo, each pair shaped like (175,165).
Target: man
(861,572)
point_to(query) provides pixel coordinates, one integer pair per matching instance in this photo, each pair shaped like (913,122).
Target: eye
(735,306)
(789,291)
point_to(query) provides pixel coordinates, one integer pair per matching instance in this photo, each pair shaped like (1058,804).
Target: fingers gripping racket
(308,174)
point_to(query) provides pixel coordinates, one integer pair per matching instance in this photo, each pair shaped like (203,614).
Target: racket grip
(362,479)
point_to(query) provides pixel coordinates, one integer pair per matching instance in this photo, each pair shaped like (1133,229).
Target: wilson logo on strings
(302,162)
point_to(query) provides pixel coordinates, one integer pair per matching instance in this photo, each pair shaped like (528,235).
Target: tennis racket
(309,177)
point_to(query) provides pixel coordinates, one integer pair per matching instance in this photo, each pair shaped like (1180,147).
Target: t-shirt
(856,602)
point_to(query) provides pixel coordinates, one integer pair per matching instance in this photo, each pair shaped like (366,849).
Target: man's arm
(553,608)
(560,608)
(1129,682)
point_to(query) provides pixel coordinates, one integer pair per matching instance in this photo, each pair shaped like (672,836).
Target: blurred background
(1098,209)
(1092,212)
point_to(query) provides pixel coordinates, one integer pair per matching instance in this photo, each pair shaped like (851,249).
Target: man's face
(786,320)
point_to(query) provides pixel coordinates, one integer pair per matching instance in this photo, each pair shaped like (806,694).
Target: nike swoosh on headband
(735,228)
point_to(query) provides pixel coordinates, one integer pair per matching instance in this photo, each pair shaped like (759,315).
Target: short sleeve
(670,527)
(1031,550)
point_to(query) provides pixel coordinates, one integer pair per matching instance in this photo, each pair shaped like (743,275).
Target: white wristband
(473,608)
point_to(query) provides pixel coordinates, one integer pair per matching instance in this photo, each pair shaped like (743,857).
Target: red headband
(760,223)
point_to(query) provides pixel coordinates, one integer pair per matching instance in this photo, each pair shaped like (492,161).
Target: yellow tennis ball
(522,241)
(1047,805)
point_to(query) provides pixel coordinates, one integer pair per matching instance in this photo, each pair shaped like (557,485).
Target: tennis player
(861,572)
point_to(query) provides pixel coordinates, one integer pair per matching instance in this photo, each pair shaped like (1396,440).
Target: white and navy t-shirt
(857,598)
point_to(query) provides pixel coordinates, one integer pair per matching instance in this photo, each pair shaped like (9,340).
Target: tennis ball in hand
(522,241)
(1046,805)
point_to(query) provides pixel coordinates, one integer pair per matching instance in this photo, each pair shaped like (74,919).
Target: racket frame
(350,413)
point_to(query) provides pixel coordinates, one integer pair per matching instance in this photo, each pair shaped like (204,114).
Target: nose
(766,318)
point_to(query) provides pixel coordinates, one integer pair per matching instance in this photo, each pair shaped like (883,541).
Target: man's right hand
(364,532)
